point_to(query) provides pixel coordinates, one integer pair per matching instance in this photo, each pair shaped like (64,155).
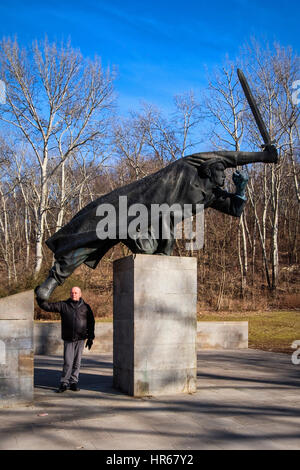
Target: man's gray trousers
(72,360)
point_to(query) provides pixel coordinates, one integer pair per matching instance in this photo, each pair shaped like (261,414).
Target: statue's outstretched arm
(268,155)
(231,159)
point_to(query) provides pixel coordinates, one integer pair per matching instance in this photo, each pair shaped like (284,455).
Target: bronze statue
(195,179)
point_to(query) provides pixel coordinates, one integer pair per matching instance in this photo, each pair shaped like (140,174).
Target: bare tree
(225,108)
(130,145)
(187,116)
(59,102)
(271,73)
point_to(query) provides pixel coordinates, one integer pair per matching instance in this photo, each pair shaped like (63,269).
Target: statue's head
(215,172)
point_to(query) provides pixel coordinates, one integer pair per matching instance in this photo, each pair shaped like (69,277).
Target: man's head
(218,174)
(215,172)
(75,293)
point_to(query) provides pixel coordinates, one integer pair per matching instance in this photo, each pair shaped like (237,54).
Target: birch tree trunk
(58,103)
(40,220)
(243,255)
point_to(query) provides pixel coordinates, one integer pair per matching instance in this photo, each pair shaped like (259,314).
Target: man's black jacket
(77,319)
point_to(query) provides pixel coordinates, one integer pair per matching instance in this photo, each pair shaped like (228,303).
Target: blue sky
(161,48)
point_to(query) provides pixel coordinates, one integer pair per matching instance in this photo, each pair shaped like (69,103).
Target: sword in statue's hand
(268,144)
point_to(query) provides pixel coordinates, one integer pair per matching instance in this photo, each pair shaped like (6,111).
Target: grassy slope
(269,331)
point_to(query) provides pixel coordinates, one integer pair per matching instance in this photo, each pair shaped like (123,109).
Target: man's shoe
(44,291)
(74,388)
(62,388)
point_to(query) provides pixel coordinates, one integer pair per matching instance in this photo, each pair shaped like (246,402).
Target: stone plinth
(154,325)
(222,335)
(16,349)
(47,338)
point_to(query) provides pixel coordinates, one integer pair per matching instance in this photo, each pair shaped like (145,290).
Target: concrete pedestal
(154,325)
(16,349)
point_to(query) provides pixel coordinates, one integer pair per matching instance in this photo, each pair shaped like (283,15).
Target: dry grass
(268,330)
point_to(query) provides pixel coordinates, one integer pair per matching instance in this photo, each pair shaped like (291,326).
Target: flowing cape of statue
(178,183)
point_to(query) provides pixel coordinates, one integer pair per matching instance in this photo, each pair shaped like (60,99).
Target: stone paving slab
(245,399)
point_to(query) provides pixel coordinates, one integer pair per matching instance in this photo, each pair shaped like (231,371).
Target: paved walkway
(246,399)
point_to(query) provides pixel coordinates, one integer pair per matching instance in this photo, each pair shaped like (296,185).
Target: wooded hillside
(63,144)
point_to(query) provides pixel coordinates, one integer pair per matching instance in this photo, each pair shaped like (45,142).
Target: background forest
(63,143)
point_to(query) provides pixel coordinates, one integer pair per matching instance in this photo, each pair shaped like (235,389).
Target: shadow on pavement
(47,373)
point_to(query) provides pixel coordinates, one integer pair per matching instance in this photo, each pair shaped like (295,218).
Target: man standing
(77,325)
